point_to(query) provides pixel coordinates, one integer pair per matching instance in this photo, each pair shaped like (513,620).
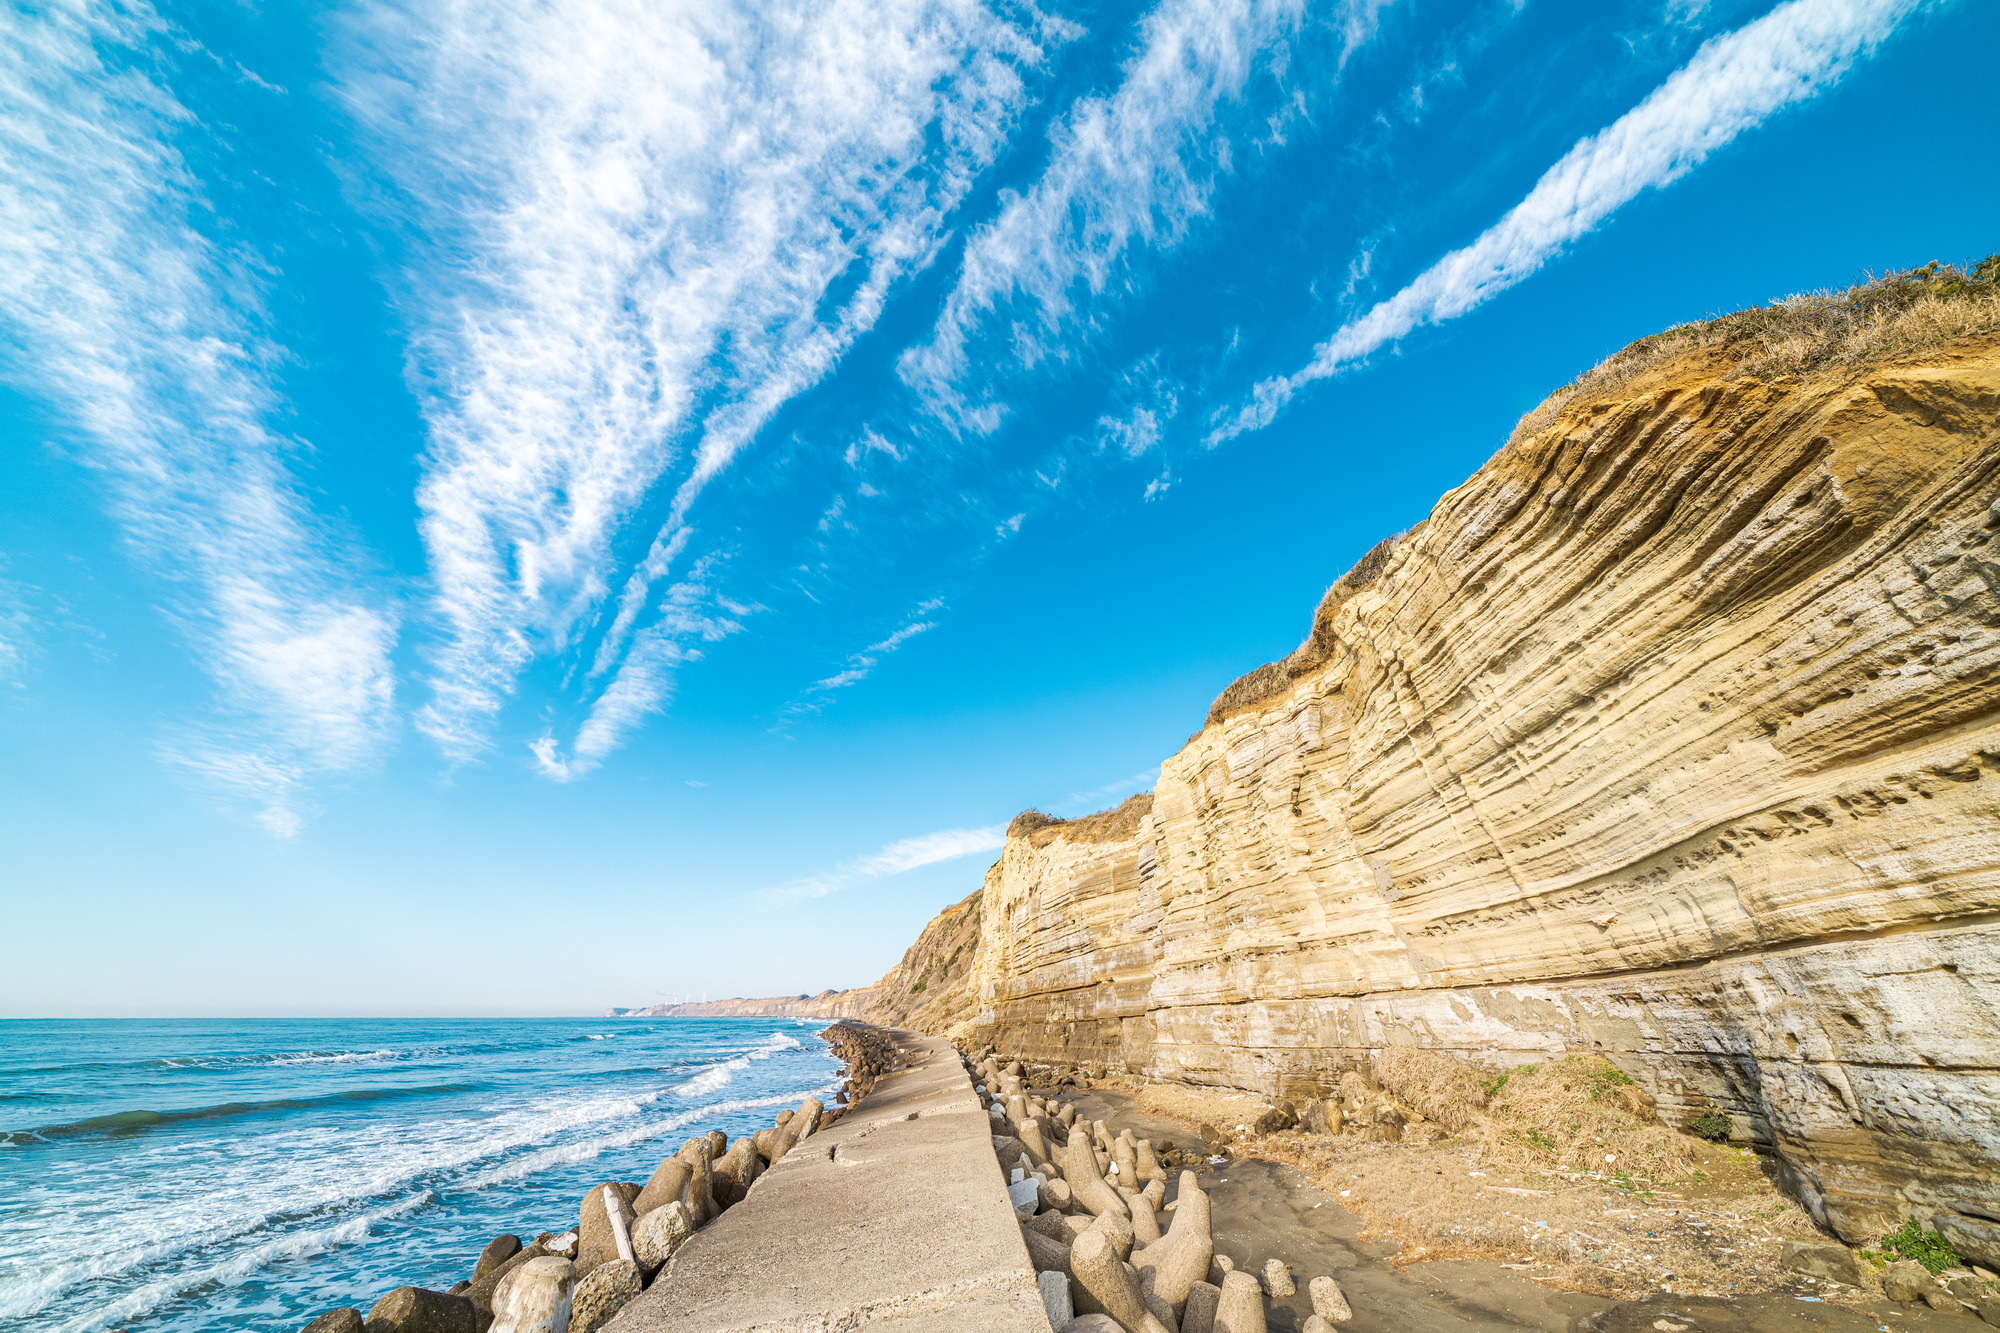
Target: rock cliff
(1672,734)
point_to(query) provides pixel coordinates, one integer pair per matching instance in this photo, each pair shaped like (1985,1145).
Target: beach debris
(420,1310)
(1241,1309)
(498,1251)
(602,1293)
(660,1233)
(1055,1297)
(1329,1301)
(336,1321)
(1198,1316)
(1278,1279)
(1181,1258)
(534,1298)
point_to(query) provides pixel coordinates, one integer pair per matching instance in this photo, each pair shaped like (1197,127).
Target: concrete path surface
(897,1216)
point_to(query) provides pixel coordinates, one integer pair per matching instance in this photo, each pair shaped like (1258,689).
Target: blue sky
(523,508)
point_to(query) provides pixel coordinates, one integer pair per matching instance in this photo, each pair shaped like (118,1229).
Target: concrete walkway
(897,1216)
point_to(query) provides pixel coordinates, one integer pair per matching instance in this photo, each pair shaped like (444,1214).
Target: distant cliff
(927,990)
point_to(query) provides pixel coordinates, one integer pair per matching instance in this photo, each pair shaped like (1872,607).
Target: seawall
(897,1215)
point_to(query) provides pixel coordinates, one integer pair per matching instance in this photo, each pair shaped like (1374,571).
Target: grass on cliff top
(1897,313)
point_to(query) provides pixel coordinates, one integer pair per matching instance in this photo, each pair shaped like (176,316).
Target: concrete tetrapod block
(1329,1301)
(1278,1279)
(1079,1166)
(1092,1323)
(1127,1161)
(1156,1193)
(1145,1222)
(1199,1314)
(498,1251)
(597,1242)
(481,1292)
(1316,1324)
(1029,1131)
(336,1321)
(700,1194)
(1220,1267)
(603,1294)
(659,1234)
(1056,1196)
(1045,1253)
(1103,1283)
(1241,1309)
(535,1297)
(420,1310)
(1055,1297)
(1149,1164)
(1182,1257)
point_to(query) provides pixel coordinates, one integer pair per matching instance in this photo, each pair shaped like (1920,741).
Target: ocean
(249,1174)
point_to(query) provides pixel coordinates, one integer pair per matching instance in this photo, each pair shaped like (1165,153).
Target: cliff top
(1881,320)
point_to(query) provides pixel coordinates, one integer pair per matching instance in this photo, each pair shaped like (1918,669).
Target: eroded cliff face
(1673,734)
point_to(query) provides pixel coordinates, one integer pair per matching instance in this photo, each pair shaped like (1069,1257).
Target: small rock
(1026,1196)
(336,1321)
(1329,1301)
(1278,1282)
(1822,1259)
(1055,1298)
(1989,1310)
(603,1293)
(1941,1300)
(1316,1324)
(420,1310)
(1905,1280)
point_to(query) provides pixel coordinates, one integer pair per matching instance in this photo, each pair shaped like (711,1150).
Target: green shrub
(1928,1248)
(1711,1124)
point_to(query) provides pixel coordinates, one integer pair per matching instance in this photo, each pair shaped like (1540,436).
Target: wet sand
(1267,1210)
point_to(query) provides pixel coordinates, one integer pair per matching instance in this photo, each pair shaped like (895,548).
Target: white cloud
(1733,83)
(692,613)
(17,633)
(858,665)
(647,226)
(1088,799)
(147,336)
(1136,167)
(893,859)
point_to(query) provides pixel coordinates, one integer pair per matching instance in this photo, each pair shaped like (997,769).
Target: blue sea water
(249,1174)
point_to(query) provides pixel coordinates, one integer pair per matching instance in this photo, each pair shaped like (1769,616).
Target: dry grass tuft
(1898,313)
(1574,1114)
(1444,1088)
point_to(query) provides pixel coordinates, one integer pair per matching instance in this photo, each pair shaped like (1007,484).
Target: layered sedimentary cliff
(1673,733)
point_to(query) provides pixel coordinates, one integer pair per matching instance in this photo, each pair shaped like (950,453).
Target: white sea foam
(244,1263)
(717,1076)
(116,1228)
